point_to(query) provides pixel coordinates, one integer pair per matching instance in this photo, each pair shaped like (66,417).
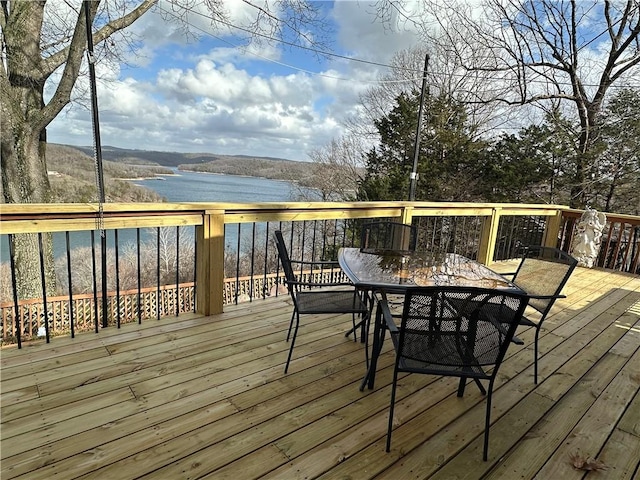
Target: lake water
(185,187)
(206,187)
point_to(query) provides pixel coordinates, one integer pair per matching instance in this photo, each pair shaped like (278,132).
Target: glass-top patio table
(394,271)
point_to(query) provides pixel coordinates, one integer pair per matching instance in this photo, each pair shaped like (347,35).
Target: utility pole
(416,152)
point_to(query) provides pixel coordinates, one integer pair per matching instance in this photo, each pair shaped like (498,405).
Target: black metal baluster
(499,233)
(324,240)
(303,242)
(95,284)
(139,277)
(266,264)
(253,253)
(178,270)
(115,241)
(44,287)
(14,289)
(313,248)
(158,273)
(278,279)
(71,312)
(238,265)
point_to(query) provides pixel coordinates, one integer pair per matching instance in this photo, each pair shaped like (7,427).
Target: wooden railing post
(488,236)
(210,263)
(552,230)
(407,215)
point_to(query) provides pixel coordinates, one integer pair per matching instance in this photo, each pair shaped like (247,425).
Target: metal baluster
(14,288)
(238,265)
(71,313)
(44,287)
(266,265)
(139,278)
(158,273)
(195,269)
(115,241)
(95,284)
(178,270)
(253,254)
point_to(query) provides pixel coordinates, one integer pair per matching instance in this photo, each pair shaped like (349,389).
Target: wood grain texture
(205,397)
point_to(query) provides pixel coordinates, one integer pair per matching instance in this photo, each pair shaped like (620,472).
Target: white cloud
(208,100)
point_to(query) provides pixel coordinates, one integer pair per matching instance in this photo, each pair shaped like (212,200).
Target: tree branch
(71,56)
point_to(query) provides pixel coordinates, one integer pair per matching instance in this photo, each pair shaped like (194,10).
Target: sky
(219,94)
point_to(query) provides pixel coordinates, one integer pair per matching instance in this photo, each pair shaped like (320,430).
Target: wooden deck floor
(205,397)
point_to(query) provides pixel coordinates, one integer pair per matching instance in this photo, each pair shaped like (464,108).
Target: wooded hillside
(266,167)
(73,178)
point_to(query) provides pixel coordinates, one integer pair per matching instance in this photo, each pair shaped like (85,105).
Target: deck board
(205,397)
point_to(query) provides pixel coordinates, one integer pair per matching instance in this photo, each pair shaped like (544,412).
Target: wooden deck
(205,397)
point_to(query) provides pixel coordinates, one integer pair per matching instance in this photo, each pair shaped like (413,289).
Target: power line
(348,58)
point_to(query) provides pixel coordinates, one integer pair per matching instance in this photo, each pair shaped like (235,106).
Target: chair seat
(330,301)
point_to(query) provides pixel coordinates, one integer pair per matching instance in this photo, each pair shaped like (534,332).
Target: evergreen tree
(617,177)
(533,166)
(448,161)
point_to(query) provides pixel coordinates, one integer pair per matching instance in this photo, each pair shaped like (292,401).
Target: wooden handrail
(210,218)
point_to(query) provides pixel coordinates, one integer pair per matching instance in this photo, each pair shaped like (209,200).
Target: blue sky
(218,95)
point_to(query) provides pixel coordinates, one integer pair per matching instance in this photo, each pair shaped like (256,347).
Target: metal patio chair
(542,274)
(452,331)
(314,297)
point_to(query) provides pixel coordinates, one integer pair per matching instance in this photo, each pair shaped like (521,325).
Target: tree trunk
(25,180)
(23,140)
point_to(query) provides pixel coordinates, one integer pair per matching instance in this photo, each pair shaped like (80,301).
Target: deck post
(488,236)
(406,216)
(552,230)
(210,263)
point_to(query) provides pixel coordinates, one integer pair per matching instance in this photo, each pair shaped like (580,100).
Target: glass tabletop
(398,270)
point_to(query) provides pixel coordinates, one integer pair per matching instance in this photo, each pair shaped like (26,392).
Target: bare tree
(39,38)
(544,52)
(336,168)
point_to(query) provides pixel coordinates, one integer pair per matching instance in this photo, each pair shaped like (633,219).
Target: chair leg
(291,324)
(461,385)
(480,386)
(293,340)
(487,424)
(391,408)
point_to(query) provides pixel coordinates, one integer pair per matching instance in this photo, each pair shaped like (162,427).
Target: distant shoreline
(240,175)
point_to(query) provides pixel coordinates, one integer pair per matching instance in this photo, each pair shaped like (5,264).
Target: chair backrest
(385,235)
(456,328)
(544,271)
(285,261)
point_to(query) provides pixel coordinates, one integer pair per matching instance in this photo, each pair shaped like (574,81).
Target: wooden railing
(620,247)
(492,235)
